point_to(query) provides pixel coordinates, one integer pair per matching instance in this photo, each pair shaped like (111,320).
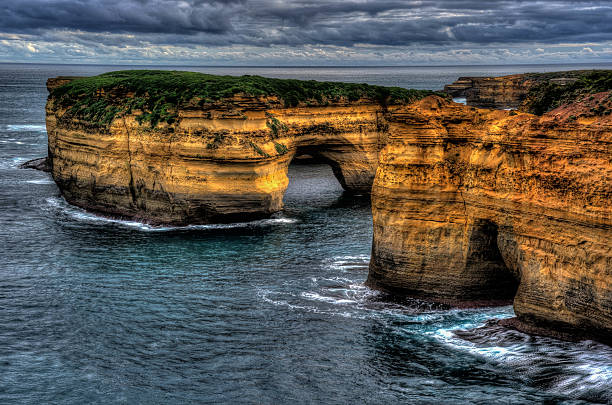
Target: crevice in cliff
(465,213)
(129,152)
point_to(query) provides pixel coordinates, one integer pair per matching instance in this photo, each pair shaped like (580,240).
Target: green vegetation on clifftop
(159,94)
(547,95)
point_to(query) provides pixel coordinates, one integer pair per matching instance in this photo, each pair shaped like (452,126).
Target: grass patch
(277,127)
(280,148)
(217,140)
(257,149)
(159,94)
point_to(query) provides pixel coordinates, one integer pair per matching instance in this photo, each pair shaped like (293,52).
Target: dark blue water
(274,311)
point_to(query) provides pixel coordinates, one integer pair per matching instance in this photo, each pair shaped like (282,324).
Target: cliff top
(159,94)
(543,76)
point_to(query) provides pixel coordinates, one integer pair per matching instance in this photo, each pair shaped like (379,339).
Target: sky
(317,32)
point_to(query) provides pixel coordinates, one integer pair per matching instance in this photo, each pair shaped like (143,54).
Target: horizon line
(303,66)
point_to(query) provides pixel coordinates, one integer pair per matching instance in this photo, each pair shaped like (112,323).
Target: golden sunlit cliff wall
(474,205)
(226,161)
(469,206)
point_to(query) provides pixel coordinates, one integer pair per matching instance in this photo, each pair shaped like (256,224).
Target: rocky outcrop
(216,164)
(41,164)
(213,161)
(470,206)
(476,205)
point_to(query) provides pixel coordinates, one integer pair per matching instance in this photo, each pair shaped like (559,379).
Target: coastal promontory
(474,206)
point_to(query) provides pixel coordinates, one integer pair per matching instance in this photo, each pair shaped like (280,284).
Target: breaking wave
(60,206)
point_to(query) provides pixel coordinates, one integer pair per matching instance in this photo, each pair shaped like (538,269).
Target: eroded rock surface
(473,205)
(470,206)
(491,92)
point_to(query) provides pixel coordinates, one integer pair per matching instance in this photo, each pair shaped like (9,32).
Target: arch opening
(313,181)
(485,260)
(314,155)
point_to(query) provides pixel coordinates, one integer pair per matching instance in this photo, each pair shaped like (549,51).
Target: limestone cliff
(474,205)
(469,205)
(121,146)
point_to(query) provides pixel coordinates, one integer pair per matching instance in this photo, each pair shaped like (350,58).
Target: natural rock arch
(448,179)
(223,162)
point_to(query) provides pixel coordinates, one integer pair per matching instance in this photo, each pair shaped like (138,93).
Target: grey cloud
(137,16)
(265,23)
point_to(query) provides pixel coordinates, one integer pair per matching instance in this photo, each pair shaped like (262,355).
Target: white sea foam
(11,163)
(582,370)
(79,214)
(25,127)
(348,262)
(265,296)
(327,299)
(41,181)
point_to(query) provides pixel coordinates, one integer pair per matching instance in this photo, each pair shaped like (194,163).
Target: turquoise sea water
(274,311)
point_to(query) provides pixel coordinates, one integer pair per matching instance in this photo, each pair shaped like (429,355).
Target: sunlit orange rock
(475,206)
(223,161)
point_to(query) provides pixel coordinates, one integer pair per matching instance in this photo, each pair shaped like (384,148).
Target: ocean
(275,311)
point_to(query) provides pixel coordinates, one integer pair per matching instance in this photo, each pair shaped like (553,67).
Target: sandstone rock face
(474,205)
(224,161)
(470,206)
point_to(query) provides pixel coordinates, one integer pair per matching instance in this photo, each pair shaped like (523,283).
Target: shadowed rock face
(224,161)
(470,203)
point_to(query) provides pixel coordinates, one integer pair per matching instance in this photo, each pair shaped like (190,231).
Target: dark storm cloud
(137,16)
(325,22)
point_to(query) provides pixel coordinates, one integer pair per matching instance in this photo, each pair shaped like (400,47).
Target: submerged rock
(41,164)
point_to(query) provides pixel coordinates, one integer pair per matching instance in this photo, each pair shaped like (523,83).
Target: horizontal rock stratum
(473,205)
(188,148)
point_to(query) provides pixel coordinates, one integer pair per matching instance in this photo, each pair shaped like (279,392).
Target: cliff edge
(535,93)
